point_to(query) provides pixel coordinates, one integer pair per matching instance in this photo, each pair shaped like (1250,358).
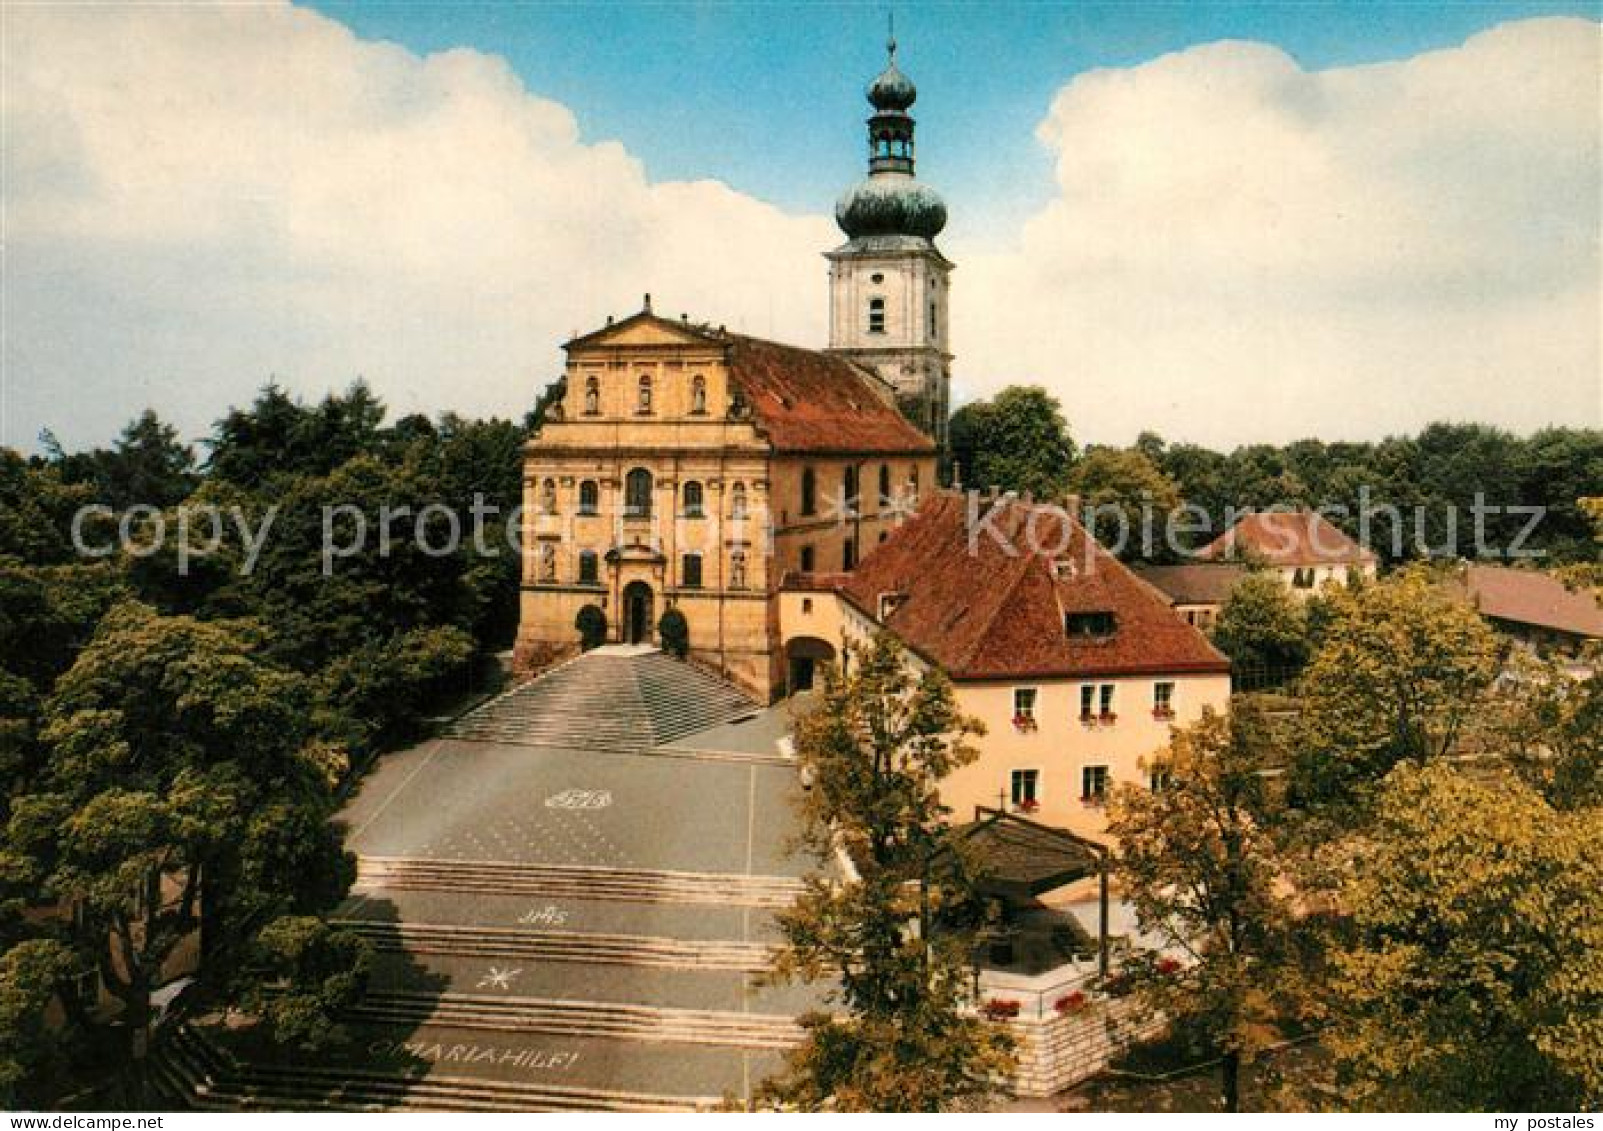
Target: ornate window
(637,494)
(690,571)
(643,405)
(592,396)
(809,491)
(548,496)
(876,316)
(589,497)
(737,501)
(693,500)
(737,569)
(589,568)
(698,394)
(548,562)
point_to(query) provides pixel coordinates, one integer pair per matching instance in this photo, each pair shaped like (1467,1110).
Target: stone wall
(1057,1051)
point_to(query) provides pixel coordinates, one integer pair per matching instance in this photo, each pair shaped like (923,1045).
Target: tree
(894,940)
(307,974)
(674,631)
(1549,726)
(1017,441)
(1474,981)
(1401,669)
(31,973)
(147,466)
(180,793)
(1128,498)
(592,625)
(1198,864)
(1262,626)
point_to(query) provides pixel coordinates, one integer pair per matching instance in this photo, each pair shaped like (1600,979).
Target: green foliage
(1128,498)
(592,625)
(1474,981)
(1401,669)
(1261,625)
(674,632)
(306,973)
(1549,726)
(1017,441)
(1197,862)
(147,466)
(30,974)
(897,942)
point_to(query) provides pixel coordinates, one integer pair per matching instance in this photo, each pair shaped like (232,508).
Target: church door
(637,612)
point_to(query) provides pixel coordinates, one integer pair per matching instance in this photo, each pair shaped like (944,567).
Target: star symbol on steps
(498,979)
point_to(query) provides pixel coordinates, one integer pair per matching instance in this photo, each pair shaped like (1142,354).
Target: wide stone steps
(580,881)
(624,704)
(565,1018)
(563,946)
(196,1075)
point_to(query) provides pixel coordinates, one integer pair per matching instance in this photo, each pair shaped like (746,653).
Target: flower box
(1024,722)
(1029,806)
(1163,714)
(998,1009)
(1072,1002)
(1107,718)
(1088,718)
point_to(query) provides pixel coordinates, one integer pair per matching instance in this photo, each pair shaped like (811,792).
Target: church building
(687,467)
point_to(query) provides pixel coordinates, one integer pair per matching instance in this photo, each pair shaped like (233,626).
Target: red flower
(997,1009)
(1168,965)
(1071,1002)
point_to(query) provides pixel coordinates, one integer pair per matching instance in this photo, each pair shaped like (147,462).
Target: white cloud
(1241,249)
(198,198)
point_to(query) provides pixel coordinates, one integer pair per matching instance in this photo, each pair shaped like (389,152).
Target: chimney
(647,306)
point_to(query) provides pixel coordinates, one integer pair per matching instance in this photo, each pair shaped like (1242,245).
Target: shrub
(592,625)
(675,633)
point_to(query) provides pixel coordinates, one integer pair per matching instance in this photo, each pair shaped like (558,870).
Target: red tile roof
(1526,596)
(1200,583)
(1287,538)
(807,401)
(983,613)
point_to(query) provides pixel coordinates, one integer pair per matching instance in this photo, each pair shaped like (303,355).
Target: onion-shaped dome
(891,206)
(892,92)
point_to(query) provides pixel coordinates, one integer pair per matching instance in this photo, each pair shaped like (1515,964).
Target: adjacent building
(1302,547)
(1196,591)
(1532,607)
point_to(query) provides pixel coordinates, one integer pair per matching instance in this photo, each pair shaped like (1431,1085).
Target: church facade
(689,468)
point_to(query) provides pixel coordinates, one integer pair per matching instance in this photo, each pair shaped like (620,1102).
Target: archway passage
(637,609)
(804,656)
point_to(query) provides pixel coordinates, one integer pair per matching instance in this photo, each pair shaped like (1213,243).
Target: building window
(637,494)
(876,316)
(1088,626)
(849,489)
(809,491)
(912,483)
(690,571)
(589,569)
(848,554)
(1024,708)
(1163,699)
(548,497)
(1105,703)
(589,497)
(1303,578)
(693,500)
(1087,702)
(1160,779)
(737,570)
(934,329)
(644,403)
(885,498)
(698,395)
(592,396)
(1094,784)
(807,604)
(807,559)
(1024,785)
(548,562)
(737,501)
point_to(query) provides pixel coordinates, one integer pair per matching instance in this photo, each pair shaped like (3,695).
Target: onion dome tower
(889,282)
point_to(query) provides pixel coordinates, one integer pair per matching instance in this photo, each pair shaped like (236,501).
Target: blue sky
(767,97)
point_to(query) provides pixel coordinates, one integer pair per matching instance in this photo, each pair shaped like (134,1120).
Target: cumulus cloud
(1242,249)
(200,198)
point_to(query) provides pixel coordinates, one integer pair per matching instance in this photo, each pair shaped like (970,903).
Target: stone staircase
(562,1017)
(195,1074)
(638,885)
(563,946)
(622,703)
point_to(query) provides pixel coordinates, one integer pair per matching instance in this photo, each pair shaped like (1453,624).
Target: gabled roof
(802,400)
(981,612)
(1287,538)
(1527,596)
(1200,583)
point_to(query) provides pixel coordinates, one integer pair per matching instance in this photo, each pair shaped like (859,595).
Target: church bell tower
(888,284)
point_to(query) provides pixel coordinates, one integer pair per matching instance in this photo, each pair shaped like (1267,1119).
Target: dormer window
(1064,569)
(889,603)
(1088,626)
(876,316)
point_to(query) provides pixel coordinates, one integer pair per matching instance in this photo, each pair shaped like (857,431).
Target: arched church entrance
(804,656)
(637,608)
